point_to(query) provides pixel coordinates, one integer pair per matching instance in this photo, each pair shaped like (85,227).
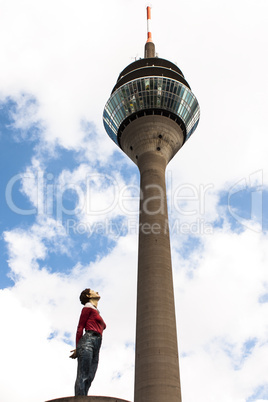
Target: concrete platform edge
(87,399)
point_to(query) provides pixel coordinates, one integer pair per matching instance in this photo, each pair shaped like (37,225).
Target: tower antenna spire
(149,50)
(149,32)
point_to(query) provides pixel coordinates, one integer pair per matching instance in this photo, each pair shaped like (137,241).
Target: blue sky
(69,196)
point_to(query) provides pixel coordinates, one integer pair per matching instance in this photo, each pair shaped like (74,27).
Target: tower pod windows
(148,95)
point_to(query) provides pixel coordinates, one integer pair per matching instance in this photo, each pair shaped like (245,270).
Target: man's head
(88,294)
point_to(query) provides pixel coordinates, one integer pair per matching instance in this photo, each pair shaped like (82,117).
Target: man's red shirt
(90,320)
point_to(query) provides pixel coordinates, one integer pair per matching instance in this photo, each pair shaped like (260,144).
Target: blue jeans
(88,357)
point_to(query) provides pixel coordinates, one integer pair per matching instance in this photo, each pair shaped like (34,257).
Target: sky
(69,196)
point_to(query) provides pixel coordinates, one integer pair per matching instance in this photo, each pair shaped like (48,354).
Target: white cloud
(27,353)
(219,312)
(48,307)
(217,290)
(26,247)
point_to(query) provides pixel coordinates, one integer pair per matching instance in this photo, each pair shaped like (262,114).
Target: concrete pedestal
(87,399)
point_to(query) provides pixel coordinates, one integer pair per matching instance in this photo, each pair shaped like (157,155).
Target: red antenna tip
(149,33)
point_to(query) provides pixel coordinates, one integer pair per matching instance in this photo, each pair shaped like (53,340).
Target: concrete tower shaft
(152,134)
(157,377)
(155,140)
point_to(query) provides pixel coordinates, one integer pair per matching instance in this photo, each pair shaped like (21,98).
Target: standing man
(89,343)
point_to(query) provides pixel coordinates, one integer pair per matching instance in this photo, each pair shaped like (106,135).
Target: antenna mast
(149,33)
(149,50)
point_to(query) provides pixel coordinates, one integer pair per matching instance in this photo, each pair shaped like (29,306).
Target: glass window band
(151,93)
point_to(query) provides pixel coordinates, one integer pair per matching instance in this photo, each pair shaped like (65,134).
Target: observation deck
(151,86)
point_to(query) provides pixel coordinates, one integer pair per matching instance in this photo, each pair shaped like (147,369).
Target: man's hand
(73,355)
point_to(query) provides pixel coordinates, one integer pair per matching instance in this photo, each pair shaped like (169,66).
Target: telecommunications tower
(150,114)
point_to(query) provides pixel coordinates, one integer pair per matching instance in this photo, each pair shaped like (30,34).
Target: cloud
(218,312)
(25,335)
(47,305)
(222,327)
(221,322)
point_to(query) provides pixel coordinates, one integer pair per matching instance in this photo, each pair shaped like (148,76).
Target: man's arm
(85,313)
